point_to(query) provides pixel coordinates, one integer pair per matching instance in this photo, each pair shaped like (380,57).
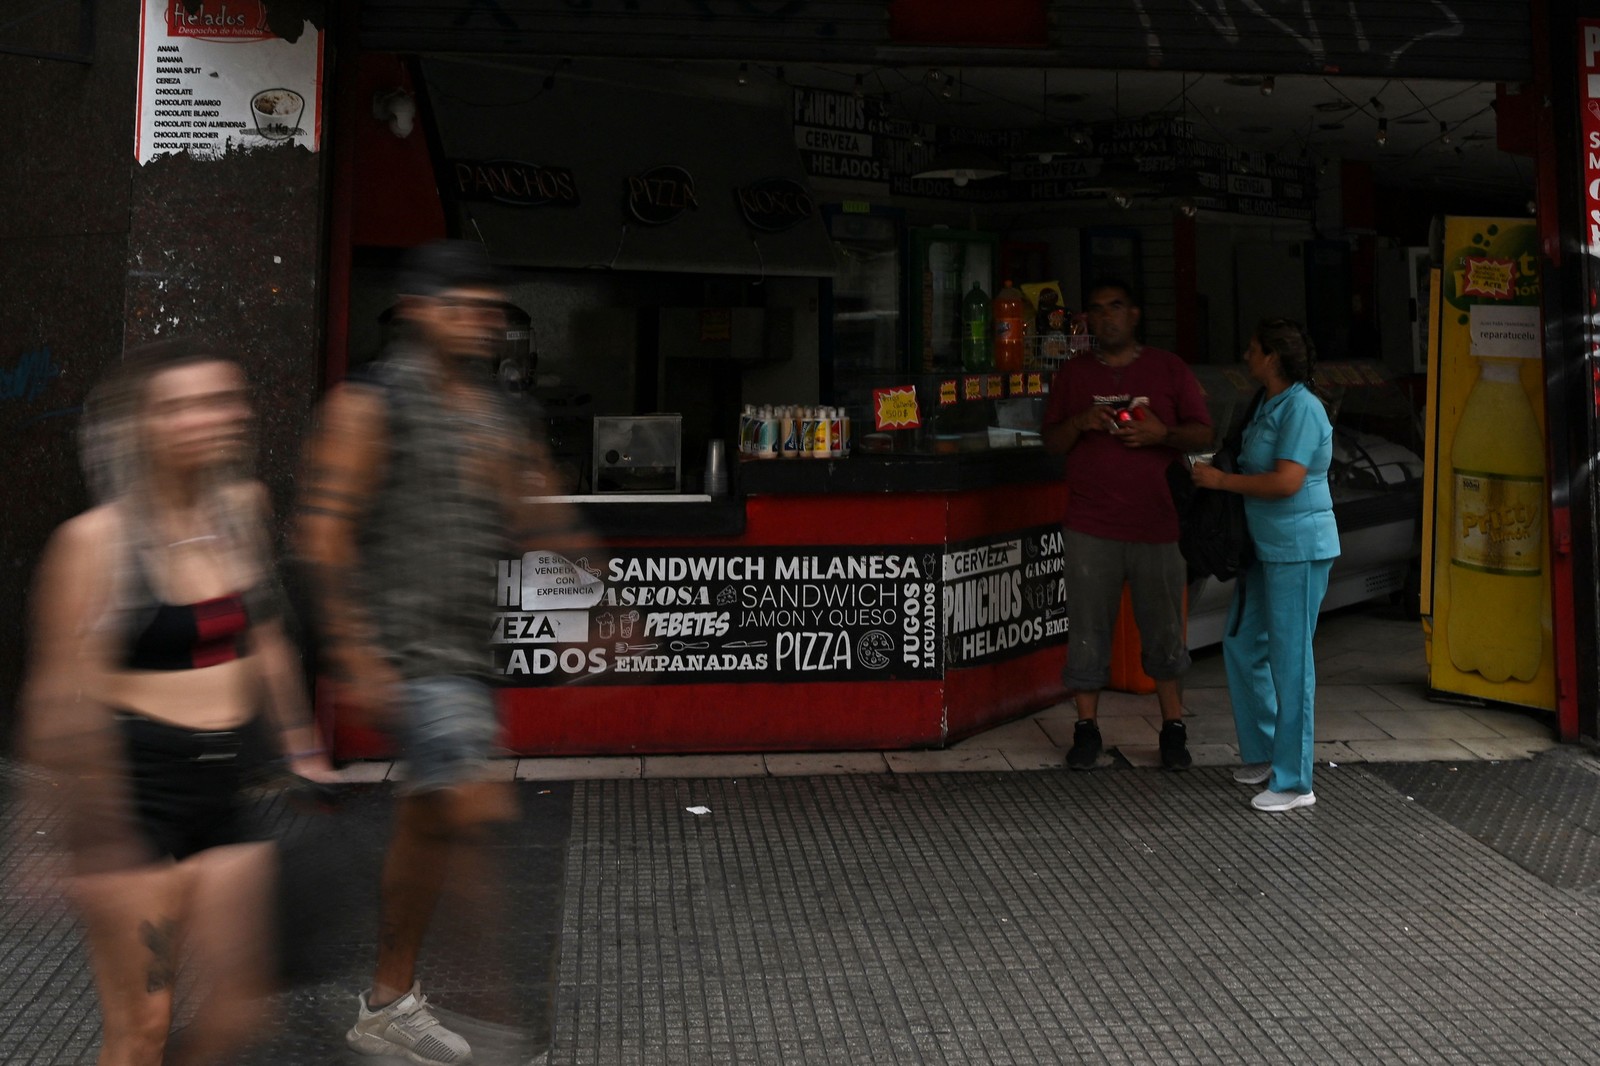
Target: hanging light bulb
(1383,132)
(935,74)
(1268,84)
(1120,200)
(861,88)
(1377,105)
(1444,132)
(1187,207)
(744,74)
(948,89)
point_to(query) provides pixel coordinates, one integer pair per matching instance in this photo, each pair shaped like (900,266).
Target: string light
(744,74)
(1377,105)
(1268,84)
(861,88)
(1383,132)
(948,89)
(1444,132)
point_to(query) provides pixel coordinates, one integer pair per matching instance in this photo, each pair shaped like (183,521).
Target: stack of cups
(716,469)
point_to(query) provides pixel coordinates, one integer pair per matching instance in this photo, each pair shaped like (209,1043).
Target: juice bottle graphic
(1495,627)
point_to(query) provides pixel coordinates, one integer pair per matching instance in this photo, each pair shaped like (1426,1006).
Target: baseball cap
(431,268)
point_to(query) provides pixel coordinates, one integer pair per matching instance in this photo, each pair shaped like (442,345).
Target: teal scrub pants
(1272,678)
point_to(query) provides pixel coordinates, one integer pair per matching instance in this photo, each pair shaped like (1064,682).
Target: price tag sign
(1035,384)
(994,386)
(972,388)
(947,392)
(1014,384)
(895,408)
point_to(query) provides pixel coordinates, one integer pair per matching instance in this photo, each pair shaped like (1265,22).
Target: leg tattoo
(162,940)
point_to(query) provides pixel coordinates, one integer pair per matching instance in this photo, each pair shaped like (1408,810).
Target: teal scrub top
(1291,425)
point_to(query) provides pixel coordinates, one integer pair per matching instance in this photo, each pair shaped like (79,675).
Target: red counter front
(996,538)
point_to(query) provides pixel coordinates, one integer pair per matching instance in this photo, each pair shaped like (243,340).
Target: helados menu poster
(1486,543)
(213,78)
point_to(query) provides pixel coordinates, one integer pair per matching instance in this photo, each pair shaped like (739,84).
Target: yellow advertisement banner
(1486,539)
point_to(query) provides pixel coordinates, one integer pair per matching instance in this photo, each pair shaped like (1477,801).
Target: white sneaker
(1253,773)
(1278,802)
(407,1027)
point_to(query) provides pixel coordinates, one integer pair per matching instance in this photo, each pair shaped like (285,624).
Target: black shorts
(187,785)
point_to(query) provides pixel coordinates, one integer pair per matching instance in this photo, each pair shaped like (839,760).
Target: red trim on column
(341,142)
(1005,23)
(1563,605)
(1185,283)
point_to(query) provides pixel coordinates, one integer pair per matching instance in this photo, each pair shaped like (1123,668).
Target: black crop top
(188,636)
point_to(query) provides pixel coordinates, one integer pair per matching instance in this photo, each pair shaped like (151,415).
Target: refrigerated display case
(942,267)
(864,298)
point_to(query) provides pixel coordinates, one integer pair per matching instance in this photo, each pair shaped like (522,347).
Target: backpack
(1213,534)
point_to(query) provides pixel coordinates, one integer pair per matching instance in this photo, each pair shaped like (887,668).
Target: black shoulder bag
(1212,532)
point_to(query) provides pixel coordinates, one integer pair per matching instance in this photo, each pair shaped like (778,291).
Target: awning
(604,174)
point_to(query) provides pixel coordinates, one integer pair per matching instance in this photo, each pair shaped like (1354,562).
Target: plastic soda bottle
(1010,328)
(975,354)
(1496,622)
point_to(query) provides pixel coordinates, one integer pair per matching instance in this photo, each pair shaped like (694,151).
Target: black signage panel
(707,615)
(1004,596)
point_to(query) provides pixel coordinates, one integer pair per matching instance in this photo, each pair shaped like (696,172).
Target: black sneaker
(1175,746)
(1085,745)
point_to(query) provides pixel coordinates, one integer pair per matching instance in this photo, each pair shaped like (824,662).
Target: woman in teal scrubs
(1288,445)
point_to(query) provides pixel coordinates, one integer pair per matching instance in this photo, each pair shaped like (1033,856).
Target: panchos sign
(514,182)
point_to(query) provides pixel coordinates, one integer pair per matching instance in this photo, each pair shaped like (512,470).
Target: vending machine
(1486,567)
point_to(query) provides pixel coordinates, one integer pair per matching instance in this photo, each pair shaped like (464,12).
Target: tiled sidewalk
(1371,707)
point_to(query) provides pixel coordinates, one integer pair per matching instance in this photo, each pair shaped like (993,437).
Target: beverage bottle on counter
(975,330)
(821,446)
(1010,328)
(835,433)
(789,433)
(747,429)
(1497,615)
(767,433)
(845,441)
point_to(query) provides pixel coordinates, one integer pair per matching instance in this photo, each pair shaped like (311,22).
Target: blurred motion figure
(417,483)
(157,640)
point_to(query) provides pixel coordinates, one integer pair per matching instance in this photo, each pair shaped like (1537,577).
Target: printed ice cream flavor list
(277,113)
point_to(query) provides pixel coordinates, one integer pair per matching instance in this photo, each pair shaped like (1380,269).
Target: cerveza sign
(514,182)
(775,204)
(661,194)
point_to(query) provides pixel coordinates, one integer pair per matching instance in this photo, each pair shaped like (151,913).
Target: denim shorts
(448,731)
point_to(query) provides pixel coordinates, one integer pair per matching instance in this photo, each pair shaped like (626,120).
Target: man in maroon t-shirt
(1121,414)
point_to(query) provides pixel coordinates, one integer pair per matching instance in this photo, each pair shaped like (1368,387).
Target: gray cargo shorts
(1096,570)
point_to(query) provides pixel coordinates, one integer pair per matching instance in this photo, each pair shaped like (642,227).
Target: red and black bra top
(188,636)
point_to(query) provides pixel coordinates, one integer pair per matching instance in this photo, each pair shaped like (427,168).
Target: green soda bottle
(976,353)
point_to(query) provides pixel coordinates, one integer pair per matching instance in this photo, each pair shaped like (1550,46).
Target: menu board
(1004,596)
(709,615)
(214,78)
(826,613)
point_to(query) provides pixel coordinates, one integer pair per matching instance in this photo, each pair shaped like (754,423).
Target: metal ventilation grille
(686,29)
